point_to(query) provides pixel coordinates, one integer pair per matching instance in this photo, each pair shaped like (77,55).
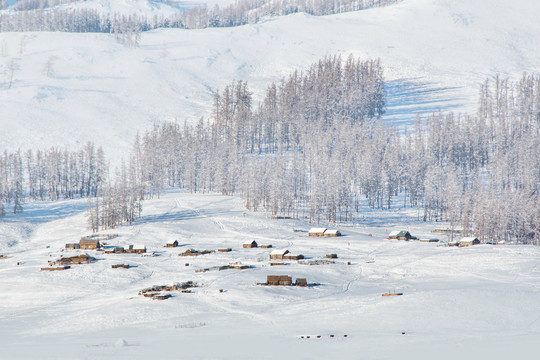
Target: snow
(436,53)
(474,302)
(279,252)
(479,301)
(127,7)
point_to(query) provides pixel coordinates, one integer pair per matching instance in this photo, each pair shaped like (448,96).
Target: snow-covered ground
(480,302)
(436,53)
(477,302)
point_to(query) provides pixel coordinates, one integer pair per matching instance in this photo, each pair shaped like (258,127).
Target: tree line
(316,148)
(56,174)
(50,175)
(41,15)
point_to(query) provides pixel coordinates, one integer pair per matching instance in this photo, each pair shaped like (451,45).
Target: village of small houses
(195,263)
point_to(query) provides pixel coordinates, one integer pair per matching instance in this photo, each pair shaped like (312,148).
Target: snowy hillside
(129,7)
(477,302)
(64,89)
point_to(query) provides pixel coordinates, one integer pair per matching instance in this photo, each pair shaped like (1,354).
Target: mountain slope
(64,89)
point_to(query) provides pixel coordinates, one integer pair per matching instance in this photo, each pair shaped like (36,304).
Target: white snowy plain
(476,302)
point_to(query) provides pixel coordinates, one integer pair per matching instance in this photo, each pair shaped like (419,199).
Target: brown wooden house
(74,260)
(115,250)
(71,246)
(279,280)
(400,235)
(316,231)
(301,282)
(250,244)
(332,233)
(468,241)
(278,254)
(89,244)
(172,243)
(429,240)
(293,257)
(139,249)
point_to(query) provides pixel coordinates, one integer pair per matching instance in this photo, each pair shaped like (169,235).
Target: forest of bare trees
(39,15)
(57,174)
(316,148)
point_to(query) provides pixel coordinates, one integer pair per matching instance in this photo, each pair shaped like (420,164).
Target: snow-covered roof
(88,241)
(394,233)
(248,242)
(468,239)
(333,231)
(128,247)
(429,239)
(139,247)
(279,252)
(317,230)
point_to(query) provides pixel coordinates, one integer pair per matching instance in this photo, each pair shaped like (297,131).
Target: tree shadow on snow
(408,97)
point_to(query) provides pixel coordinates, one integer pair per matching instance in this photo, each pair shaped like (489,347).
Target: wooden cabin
(279,280)
(400,235)
(57,268)
(139,249)
(74,260)
(301,282)
(316,231)
(468,241)
(172,243)
(278,254)
(250,244)
(292,257)
(190,252)
(332,233)
(429,240)
(72,246)
(114,250)
(331,256)
(89,244)
(120,266)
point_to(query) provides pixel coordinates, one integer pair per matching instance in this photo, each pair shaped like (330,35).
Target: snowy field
(67,89)
(478,302)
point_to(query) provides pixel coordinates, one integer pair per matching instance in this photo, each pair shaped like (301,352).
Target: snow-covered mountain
(64,89)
